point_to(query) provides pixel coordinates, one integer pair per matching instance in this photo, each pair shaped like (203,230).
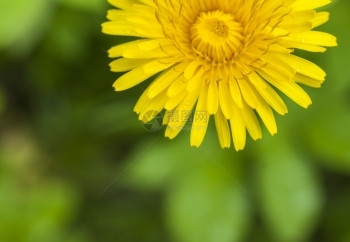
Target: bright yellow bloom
(224,58)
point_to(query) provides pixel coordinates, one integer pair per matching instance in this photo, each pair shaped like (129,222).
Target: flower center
(212,29)
(216,36)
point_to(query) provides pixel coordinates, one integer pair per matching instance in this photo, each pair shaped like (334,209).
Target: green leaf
(152,164)
(336,65)
(2,100)
(22,22)
(91,5)
(208,205)
(329,138)
(289,192)
(159,161)
(38,214)
(205,200)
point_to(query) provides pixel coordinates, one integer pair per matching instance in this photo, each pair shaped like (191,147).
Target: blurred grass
(76,164)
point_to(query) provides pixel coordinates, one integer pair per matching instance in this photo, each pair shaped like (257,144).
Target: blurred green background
(76,165)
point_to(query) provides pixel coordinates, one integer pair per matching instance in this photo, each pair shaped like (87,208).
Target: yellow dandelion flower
(220,58)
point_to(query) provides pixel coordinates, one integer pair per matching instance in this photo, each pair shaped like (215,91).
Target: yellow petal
(148,2)
(289,88)
(306,80)
(213,97)
(124,4)
(150,49)
(287,41)
(299,5)
(175,100)
(153,108)
(191,69)
(222,129)
(138,75)
(251,122)
(126,64)
(177,86)
(267,116)
(116,14)
(225,99)
(235,92)
(238,129)
(304,66)
(142,102)
(195,80)
(298,21)
(180,115)
(270,96)
(164,80)
(166,117)
(117,51)
(315,38)
(247,92)
(157,66)
(122,28)
(274,60)
(200,119)
(319,19)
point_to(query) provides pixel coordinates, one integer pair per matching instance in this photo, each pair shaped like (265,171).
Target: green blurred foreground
(76,165)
